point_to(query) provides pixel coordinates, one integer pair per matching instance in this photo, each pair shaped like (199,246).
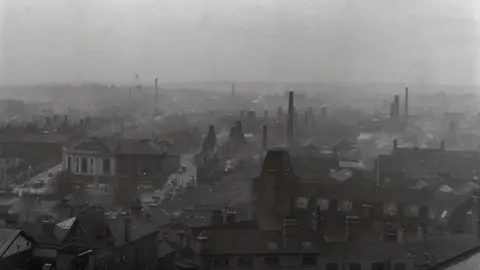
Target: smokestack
(264,138)
(406,102)
(65,120)
(397,105)
(233,90)
(442,145)
(156,97)
(290,118)
(395,144)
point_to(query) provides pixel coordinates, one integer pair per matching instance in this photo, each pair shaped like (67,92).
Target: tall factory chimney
(156,98)
(406,103)
(291,116)
(397,106)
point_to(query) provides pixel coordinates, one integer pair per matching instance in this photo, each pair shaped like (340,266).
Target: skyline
(108,41)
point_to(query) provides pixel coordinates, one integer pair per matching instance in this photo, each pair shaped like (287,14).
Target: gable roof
(7,236)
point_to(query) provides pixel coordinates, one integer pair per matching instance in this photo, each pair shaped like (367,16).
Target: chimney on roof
(290,228)
(48,226)
(238,127)
(264,138)
(442,145)
(127,223)
(395,144)
(422,233)
(230,216)
(317,220)
(65,120)
(291,116)
(217,217)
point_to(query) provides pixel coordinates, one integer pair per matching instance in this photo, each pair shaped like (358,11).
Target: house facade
(108,160)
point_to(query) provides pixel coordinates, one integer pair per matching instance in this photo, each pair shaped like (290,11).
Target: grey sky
(189,40)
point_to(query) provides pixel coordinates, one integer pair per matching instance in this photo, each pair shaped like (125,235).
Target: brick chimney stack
(265,138)
(290,123)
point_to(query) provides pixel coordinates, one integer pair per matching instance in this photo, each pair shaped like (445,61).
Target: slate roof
(118,146)
(365,193)
(232,241)
(139,228)
(7,236)
(47,138)
(424,163)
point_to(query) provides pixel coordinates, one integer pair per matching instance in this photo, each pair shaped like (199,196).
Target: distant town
(289,177)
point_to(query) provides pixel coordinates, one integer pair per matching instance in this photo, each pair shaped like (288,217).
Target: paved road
(47,177)
(175,182)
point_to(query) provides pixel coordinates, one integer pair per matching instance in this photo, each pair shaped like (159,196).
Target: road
(40,184)
(175,182)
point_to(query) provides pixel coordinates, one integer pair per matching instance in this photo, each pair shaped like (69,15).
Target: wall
(94,163)
(295,262)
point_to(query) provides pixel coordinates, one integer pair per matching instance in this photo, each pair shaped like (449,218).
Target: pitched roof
(234,241)
(366,193)
(420,163)
(7,236)
(119,146)
(48,138)
(139,228)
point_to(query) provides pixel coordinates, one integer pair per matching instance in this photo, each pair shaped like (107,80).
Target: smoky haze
(422,41)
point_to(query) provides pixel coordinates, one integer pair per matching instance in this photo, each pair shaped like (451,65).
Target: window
(302,203)
(84,165)
(345,206)
(354,266)
(245,262)
(106,166)
(323,204)
(90,168)
(390,209)
(400,266)
(332,266)
(412,210)
(69,164)
(77,164)
(309,261)
(378,266)
(271,261)
(221,262)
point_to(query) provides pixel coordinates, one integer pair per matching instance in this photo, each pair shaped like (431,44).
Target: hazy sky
(287,40)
